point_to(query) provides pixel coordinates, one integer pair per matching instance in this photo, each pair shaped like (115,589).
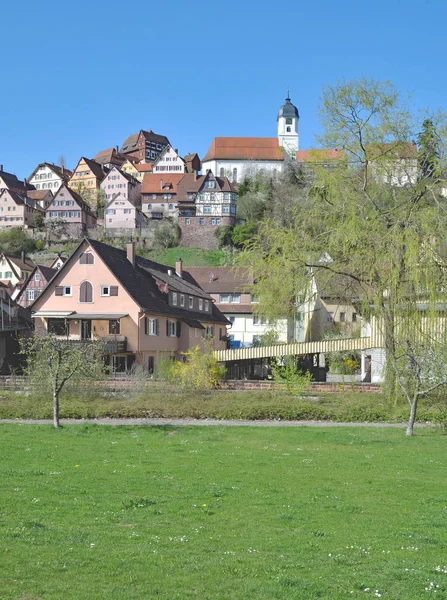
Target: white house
(169,161)
(48,176)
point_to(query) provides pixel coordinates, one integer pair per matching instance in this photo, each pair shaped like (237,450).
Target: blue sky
(82,76)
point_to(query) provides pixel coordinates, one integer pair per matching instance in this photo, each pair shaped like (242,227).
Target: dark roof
(61,172)
(192,183)
(131,144)
(14,184)
(142,282)
(215,280)
(288,109)
(98,170)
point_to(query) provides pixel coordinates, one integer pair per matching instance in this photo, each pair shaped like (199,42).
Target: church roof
(288,109)
(244,148)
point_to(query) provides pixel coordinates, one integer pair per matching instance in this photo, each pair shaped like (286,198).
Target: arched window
(86,258)
(86,292)
(222,172)
(288,130)
(234,175)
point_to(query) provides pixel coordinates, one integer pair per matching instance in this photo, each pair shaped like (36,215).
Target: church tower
(288,118)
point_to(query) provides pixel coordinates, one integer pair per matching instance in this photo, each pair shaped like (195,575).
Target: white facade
(237,170)
(288,134)
(215,203)
(45,178)
(169,162)
(247,328)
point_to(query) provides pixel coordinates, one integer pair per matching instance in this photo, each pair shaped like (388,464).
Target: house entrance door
(86,330)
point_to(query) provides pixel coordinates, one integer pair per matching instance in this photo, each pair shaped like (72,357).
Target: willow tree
(376,219)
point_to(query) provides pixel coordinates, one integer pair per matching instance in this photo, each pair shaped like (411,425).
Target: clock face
(288,121)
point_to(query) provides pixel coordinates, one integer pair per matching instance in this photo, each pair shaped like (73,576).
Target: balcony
(113,344)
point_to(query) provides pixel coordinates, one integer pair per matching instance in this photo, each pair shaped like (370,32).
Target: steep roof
(244,148)
(46,272)
(191,183)
(131,144)
(98,170)
(156,183)
(141,283)
(109,156)
(14,184)
(216,280)
(39,194)
(61,172)
(20,199)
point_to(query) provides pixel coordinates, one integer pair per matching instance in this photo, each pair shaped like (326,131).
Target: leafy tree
(243,234)
(380,227)
(55,227)
(223,234)
(429,144)
(166,237)
(52,362)
(15,240)
(38,222)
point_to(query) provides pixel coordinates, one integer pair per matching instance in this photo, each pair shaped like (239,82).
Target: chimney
(116,148)
(1,167)
(161,184)
(196,175)
(24,183)
(179,267)
(131,253)
(22,255)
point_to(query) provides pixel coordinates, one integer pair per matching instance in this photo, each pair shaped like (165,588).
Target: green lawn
(191,257)
(94,512)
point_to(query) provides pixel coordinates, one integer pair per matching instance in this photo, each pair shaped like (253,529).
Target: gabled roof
(61,172)
(98,170)
(145,167)
(143,283)
(190,157)
(191,183)
(75,196)
(155,183)
(109,156)
(131,144)
(130,178)
(46,272)
(14,184)
(16,263)
(244,148)
(39,194)
(20,199)
(216,280)
(393,150)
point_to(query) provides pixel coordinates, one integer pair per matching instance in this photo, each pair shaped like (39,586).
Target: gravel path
(208,422)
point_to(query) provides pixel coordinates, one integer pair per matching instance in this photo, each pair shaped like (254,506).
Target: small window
(171,328)
(207,305)
(151,326)
(187,221)
(86,258)
(191,302)
(114,327)
(342,317)
(63,290)
(235,298)
(37,276)
(174,298)
(8,275)
(202,221)
(31,295)
(200,304)
(105,290)
(182,300)
(224,298)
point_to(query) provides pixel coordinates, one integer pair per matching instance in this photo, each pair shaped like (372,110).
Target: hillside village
(142,309)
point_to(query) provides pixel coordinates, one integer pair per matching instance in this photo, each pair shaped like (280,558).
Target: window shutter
(146,329)
(114,290)
(157,328)
(82,259)
(178,328)
(167,327)
(86,292)
(59,290)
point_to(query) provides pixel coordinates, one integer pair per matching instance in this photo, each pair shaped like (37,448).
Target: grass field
(191,257)
(94,512)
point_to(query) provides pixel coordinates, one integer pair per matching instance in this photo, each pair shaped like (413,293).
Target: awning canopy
(97,316)
(70,314)
(56,314)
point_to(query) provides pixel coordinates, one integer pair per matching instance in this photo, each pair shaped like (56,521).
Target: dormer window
(207,305)
(200,304)
(174,298)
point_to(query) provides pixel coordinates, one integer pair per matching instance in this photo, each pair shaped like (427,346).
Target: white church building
(238,157)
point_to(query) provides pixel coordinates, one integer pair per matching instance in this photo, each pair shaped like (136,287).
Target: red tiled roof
(222,279)
(155,184)
(144,167)
(319,155)
(242,148)
(39,194)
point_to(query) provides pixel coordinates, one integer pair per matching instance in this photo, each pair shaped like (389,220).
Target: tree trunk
(410,426)
(56,409)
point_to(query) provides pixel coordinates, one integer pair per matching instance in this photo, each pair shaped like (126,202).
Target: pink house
(68,207)
(143,310)
(17,210)
(121,213)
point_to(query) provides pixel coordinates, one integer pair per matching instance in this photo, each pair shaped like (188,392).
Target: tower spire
(288,94)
